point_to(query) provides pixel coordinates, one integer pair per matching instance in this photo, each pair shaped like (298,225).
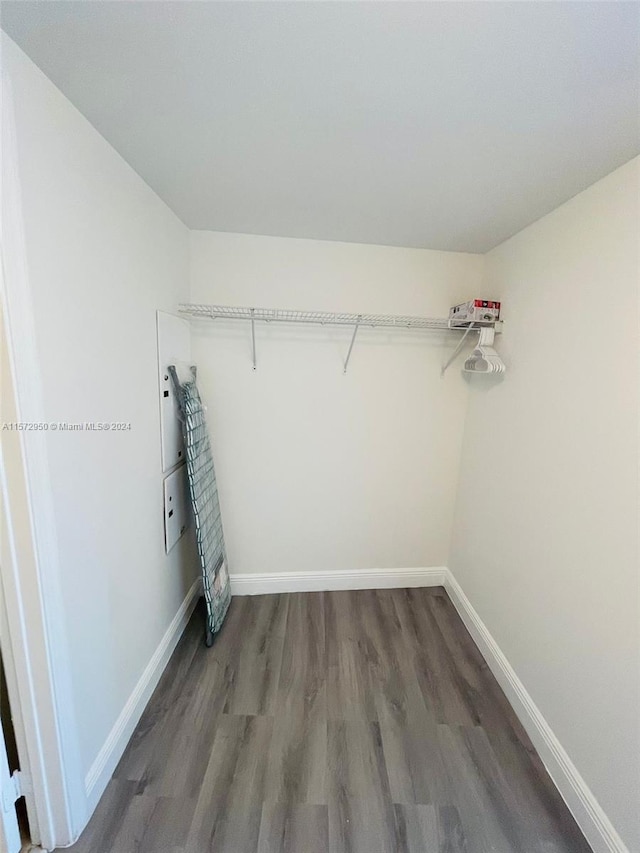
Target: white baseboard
(261,584)
(105,763)
(588,813)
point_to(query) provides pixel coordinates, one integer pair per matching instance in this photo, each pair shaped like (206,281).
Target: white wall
(103,253)
(546,534)
(320,470)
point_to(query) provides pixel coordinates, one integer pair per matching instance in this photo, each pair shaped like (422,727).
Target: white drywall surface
(318,470)
(435,125)
(546,536)
(103,253)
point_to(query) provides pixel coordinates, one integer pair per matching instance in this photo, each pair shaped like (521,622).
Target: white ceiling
(439,125)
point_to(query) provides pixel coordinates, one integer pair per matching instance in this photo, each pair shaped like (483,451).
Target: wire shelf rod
(322,318)
(326,318)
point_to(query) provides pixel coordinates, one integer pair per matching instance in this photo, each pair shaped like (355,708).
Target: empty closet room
(319,427)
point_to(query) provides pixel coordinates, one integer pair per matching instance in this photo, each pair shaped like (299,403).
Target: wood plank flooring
(339,722)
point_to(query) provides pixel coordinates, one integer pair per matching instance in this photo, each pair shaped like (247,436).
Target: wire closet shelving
(326,318)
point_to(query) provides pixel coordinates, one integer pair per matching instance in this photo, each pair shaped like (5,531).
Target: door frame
(9,830)
(33,632)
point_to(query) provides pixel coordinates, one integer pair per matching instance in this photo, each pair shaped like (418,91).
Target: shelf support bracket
(454,355)
(353,340)
(253,337)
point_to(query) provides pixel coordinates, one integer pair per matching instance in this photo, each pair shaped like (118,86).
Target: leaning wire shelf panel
(206,504)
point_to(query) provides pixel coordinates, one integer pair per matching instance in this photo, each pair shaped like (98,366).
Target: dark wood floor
(348,722)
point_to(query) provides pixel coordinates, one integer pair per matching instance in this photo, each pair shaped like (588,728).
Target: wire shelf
(326,318)
(322,318)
